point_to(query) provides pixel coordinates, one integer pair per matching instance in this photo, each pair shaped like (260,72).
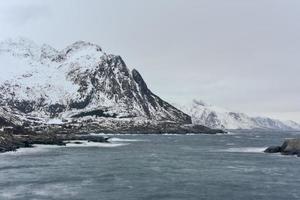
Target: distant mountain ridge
(216,117)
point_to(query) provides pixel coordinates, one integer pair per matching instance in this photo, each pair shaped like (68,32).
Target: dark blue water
(155,167)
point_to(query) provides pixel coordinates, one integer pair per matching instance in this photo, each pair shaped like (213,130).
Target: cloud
(242,55)
(18,13)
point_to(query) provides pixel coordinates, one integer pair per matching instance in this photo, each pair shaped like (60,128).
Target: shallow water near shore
(155,167)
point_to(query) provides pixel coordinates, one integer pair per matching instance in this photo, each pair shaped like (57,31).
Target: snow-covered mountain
(39,83)
(216,117)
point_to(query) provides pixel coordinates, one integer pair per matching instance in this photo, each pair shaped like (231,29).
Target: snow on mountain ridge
(215,117)
(81,79)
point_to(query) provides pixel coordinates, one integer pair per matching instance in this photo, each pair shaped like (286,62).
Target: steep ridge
(216,117)
(80,82)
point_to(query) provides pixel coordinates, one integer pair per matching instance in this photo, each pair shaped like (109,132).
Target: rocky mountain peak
(80,80)
(81,46)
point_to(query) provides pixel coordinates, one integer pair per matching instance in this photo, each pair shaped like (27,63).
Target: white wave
(41,148)
(232,133)
(37,148)
(152,134)
(245,149)
(48,191)
(46,146)
(117,134)
(124,140)
(98,134)
(172,134)
(83,143)
(12,193)
(230,144)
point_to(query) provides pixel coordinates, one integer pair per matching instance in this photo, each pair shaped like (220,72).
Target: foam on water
(245,149)
(124,140)
(231,133)
(42,148)
(98,134)
(84,143)
(51,190)
(230,144)
(37,148)
(115,134)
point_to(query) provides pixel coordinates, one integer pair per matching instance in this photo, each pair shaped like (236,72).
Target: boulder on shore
(289,147)
(273,149)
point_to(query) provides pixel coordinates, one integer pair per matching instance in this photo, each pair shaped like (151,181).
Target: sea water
(146,167)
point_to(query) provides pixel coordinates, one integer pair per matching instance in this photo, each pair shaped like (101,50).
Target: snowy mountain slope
(215,117)
(81,80)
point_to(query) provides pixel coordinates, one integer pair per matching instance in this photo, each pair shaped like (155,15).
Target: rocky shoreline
(11,142)
(124,127)
(12,138)
(289,147)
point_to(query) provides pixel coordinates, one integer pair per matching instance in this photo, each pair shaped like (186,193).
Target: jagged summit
(23,47)
(82,44)
(79,81)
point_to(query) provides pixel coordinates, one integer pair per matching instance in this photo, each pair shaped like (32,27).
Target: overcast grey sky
(239,54)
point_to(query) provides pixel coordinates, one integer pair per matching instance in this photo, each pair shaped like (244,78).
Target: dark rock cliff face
(156,102)
(8,118)
(4,122)
(79,81)
(289,147)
